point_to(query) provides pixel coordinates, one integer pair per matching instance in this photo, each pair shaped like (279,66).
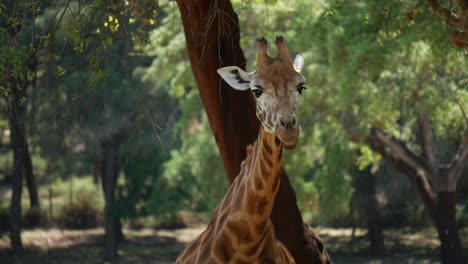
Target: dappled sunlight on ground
(56,246)
(45,239)
(184,235)
(398,242)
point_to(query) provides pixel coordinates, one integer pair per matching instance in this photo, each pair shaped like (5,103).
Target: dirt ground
(55,246)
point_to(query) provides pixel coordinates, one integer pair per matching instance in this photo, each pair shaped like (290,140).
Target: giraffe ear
(236,77)
(298,63)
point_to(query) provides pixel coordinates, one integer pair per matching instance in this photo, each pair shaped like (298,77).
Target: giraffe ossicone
(240,229)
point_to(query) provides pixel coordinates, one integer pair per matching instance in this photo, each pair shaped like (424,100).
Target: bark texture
(212,35)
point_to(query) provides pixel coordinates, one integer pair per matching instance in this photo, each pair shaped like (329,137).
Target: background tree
(80,31)
(18,61)
(401,110)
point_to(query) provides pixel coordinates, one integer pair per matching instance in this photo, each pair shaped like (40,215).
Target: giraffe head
(276,85)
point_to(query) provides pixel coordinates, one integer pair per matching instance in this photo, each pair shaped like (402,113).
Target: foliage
(144,188)
(368,59)
(195,169)
(82,213)
(14,51)
(387,73)
(367,65)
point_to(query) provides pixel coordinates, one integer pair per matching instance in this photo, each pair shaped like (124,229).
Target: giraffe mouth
(288,137)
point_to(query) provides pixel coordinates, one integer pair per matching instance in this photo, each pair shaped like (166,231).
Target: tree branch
(458,162)
(402,168)
(459,22)
(459,39)
(427,143)
(448,16)
(400,151)
(462,8)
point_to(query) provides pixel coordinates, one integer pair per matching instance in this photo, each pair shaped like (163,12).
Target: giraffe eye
(299,89)
(257,92)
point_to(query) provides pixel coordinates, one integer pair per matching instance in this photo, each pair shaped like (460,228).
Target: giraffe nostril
(294,122)
(282,124)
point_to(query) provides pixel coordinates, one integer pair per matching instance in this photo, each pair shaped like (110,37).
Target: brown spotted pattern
(240,230)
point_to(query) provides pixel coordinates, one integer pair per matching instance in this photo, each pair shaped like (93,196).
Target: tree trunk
(441,210)
(451,249)
(17,144)
(364,204)
(109,173)
(212,36)
(96,168)
(30,179)
(17,132)
(436,182)
(374,226)
(301,240)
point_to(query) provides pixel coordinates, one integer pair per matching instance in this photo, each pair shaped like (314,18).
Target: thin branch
(411,11)
(61,17)
(458,161)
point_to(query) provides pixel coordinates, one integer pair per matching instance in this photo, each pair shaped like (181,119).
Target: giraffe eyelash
(257,92)
(300,88)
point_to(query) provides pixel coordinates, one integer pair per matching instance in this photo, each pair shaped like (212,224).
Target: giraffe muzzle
(287,130)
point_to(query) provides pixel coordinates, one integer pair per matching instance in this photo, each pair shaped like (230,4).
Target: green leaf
(61,71)
(329,14)
(23,101)
(4,91)
(365,18)
(100,74)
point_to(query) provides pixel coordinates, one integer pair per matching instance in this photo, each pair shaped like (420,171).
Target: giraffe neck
(253,198)
(240,230)
(262,176)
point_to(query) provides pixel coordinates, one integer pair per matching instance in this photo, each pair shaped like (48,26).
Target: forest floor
(56,246)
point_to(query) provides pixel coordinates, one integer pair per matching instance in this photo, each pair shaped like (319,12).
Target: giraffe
(240,230)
